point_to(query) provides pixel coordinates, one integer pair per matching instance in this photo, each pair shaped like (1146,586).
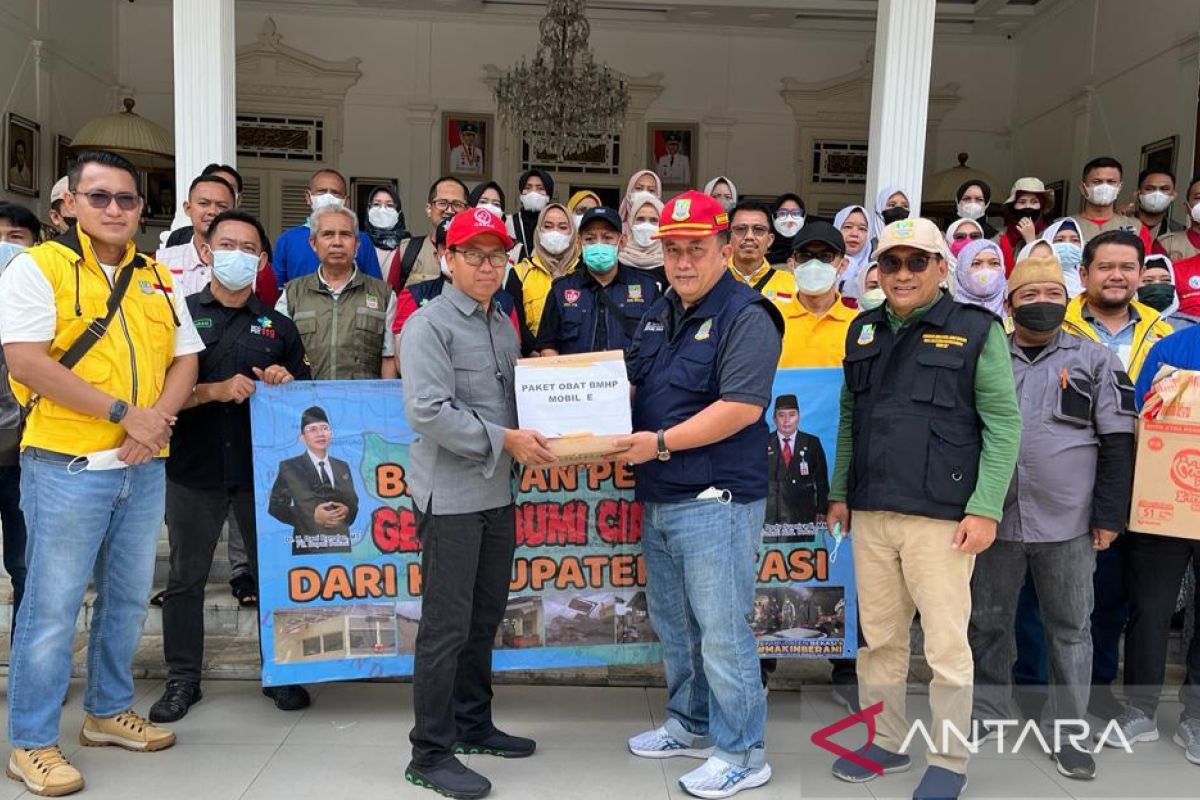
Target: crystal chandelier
(562,102)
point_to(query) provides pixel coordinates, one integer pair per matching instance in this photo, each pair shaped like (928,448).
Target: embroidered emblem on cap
(483,216)
(867,334)
(683,208)
(1194,282)
(903,229)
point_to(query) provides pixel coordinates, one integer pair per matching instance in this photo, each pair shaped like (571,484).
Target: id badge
(804,468)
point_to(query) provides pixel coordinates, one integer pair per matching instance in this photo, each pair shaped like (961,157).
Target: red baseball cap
(474,222)
(692,215)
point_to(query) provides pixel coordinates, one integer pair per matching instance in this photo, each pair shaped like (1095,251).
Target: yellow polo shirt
(812,341)
(780,287)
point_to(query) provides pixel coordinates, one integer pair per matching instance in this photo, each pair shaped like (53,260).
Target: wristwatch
(663,453)
(117,411)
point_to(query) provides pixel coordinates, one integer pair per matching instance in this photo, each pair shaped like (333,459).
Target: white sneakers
(715,778)
(659,743)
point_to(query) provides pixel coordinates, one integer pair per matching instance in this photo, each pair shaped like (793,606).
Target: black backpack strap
(409,259)
(99,326)
(764,280)
(628,325)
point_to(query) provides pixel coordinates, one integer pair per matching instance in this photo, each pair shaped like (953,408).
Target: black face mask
(894,214)
(1026,213)
(1040,317)
(1157,295)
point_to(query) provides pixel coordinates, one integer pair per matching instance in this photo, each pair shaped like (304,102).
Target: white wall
(73,81)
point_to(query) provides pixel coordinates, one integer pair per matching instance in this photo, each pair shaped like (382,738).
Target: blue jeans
(93,524)
(701,562)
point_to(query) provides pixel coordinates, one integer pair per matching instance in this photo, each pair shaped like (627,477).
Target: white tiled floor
(353,743)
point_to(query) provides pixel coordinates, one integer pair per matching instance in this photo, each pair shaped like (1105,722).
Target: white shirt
(468,161)
(188,273)
(318,461)
(790,441)
(389,344)
(28,313)
(674,168)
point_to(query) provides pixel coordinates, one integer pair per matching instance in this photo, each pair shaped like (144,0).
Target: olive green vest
(343,335)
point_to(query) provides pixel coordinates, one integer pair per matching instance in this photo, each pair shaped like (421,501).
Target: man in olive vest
(100,348)
(344,316)
(927,444)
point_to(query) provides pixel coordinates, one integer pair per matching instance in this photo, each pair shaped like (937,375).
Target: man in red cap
(702,365)
(459,353)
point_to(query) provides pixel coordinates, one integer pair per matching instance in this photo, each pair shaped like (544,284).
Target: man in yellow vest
(104,354)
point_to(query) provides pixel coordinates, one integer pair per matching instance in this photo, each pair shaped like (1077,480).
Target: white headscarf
(1070,276)
(882,198)
(708,187)
(1170,265)
(851,283)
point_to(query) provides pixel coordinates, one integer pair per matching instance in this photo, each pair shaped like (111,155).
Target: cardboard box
(1166,480)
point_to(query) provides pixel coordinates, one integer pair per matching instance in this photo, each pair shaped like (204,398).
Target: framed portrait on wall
(467,145)
(62,156)
(21,155)
(158,188)
(1160,155)
(671,150)
(361,188)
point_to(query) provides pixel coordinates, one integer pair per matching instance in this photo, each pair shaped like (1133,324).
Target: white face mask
(383,216)
(1103,194)
(97,461)
(325,200)
(534,201)
(970,210)
(643,233)
(1196,212)
(788,226)
(1155,202)
(8,251)
(445,267)
(492,207)
(555,242)
(815,277)
(871,299)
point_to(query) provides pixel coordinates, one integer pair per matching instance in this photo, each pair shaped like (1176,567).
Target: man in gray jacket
(459,353)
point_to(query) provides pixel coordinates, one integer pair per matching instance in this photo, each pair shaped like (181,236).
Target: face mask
(1158,296)
(96,462)
(871,299)
(555,242)
(1069,255)
(1040,317)
(534,201)
(7,251)
(492,207)
(957,245)
(445,267)
(987,282)
(815,277)
(728,205)
(788,226)
(234,269)
(1155,202)
(1196,213)
(1103,194)
(325,200)
(970,210)
(1026,213)
(383,216)
(600,257)
(894,214)
(643,233)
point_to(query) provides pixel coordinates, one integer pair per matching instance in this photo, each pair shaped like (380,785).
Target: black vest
(917,437)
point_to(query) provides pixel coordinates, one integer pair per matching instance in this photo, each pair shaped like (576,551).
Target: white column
(900,96)
(205,91)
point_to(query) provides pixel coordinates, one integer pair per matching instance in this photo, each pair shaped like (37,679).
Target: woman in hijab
(1158,291)
(972,199)
(487,195)
(854,223)
(383,222)
(891,205)
(535,187)
(1067,242)
(723,191)
(555,244)
(581,201)
(1024,216)
(961,233)
(788,220)
(979,276)
(640,212)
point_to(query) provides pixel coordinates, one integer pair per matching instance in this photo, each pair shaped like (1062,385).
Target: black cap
(439,233)
(602,213)
(819,231)
(311,415)
(671,138)
(468,127)
(787,401)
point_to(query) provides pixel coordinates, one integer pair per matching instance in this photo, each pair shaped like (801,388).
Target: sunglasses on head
(890,264)
(100,199)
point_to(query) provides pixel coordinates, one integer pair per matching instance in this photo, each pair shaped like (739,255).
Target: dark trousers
(13,522)
(1154,569)
(466,564)
(194,521)
(1062,575)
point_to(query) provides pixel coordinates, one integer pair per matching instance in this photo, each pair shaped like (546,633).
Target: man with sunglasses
(92,462)
(416,259)
(459,353)
(295,256)
(927,444)
(751,236)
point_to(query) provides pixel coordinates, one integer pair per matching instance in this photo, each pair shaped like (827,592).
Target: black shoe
(847,695)
(1075,763)
(288,698)
(497,743)
(179,696)
(1104,704)
(450,778)
(1030,700)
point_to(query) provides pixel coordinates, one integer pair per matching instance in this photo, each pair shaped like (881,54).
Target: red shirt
(1187,285)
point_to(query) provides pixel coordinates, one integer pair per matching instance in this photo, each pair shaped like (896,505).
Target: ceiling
(979,17)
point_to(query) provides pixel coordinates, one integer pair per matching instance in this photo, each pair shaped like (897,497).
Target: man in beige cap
(1067,502)
(58,218)
(926,448)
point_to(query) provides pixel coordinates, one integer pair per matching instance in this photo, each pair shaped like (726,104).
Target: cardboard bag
(581,403)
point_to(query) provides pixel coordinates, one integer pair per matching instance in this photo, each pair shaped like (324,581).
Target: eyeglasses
(759,231)
(100,199)
(449,205)
(890,265)
(958,237)
(497,258)
(793,213)
(825,256)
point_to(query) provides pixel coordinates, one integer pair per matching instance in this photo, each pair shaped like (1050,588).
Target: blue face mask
(1068,254)
(235,269)
(600,257)
(7,251)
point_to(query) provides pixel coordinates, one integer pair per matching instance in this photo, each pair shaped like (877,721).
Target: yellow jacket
(129,362)
(1149,328)
(532,289)
(779,288)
